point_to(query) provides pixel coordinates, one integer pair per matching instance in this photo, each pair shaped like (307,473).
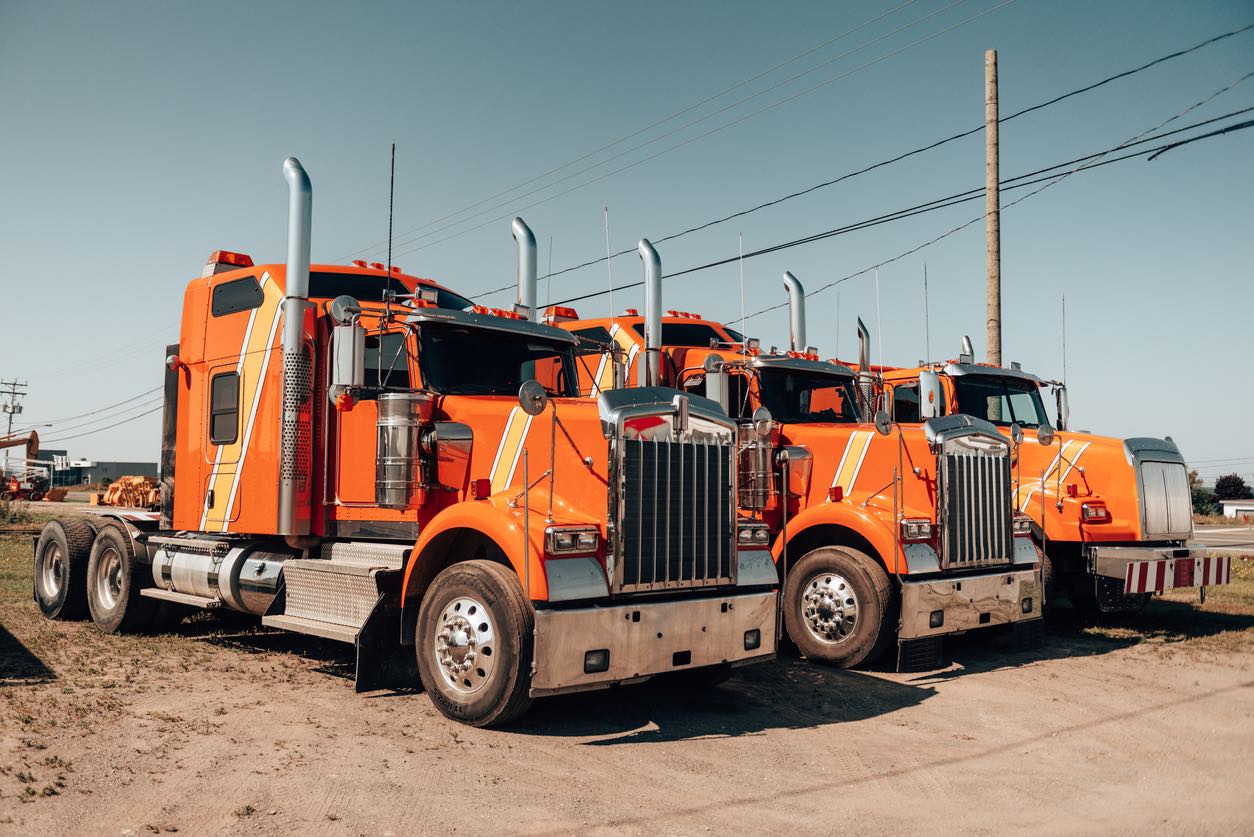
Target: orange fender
(496,521)
(851,516)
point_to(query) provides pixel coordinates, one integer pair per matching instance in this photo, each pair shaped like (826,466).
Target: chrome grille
(975,505)
(677,521)
(1166,502)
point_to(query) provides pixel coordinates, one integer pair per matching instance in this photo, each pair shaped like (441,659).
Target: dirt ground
(225,728)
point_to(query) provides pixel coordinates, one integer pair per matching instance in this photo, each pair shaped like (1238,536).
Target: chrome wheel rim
(465,645)
(108,580)
(829,608)
(50,572)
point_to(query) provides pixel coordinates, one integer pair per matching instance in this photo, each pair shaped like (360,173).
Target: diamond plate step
(313,627)
(390,556)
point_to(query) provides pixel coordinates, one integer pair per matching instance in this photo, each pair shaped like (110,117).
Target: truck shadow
(783,694)
(19,666)
(1070,634)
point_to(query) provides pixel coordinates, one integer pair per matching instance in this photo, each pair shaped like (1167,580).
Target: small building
(1238,508)
(96,472)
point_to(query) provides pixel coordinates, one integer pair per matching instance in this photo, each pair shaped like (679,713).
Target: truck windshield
(1001,400)
(457,360)
(800,397)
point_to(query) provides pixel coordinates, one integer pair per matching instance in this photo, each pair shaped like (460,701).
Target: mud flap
(382,661)
(1027,636)
(923,654)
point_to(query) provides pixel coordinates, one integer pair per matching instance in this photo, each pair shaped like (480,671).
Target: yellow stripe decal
(254,359)
(851,460)
(507,453)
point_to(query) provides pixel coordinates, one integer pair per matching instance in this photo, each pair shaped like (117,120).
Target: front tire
(61,558)
(113,585)
(838,607)
(474,644)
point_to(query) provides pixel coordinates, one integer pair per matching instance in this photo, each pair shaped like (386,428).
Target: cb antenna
(391,197)
(1064,338)
(927,337)
(609,261)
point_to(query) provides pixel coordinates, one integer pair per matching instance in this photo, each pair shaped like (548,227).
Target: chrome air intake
(398,471)
(1162,484)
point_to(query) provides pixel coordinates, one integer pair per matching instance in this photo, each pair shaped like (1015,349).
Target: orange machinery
(399,469)
(883,534)
(1114,517)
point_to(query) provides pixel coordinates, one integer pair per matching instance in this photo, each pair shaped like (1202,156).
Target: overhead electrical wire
(692,139)
(905,155)
(931,206)
(650,126)
(73,418)
(101,429)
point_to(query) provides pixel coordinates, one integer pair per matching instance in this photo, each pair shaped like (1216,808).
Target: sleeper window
(224,409)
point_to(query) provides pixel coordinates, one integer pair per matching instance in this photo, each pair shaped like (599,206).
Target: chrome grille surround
(974,497)
(1162,485)
(672,491)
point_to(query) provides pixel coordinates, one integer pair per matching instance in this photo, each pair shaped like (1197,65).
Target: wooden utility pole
(992,209)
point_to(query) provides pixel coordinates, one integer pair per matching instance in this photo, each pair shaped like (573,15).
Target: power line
(102,429)
(930,206)
(911,153)
(652,125)
(95,412)
(517,209)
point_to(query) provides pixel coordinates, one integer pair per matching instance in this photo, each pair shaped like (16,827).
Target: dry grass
(1216,519)
(1225,623)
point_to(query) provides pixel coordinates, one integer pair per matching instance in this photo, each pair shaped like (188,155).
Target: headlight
(571,541)
(916,530)
(753,534)
(1022,524)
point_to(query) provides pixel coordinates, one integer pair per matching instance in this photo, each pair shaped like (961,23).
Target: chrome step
(387,555)
(313,627)
(179,598)
(337,593)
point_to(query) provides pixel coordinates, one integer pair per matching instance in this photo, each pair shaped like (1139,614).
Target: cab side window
(906,403)
(224,408)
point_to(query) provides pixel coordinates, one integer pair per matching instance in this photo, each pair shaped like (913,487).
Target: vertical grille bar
(975,501)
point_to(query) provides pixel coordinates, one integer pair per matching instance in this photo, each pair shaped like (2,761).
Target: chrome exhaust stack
(650,370)
(968,352)
(527,278)
(297,368)
(796,312)
(866,379)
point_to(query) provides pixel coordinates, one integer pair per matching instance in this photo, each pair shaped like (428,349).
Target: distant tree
(1232,487)
(1203,498)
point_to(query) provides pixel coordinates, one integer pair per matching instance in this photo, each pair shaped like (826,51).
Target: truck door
(356,436)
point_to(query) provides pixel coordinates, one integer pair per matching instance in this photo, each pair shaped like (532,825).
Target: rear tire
(114,579)
(474,644)
(60,578)
(839,607)
(36,496)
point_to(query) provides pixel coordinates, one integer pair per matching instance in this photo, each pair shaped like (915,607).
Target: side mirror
(762,422)
(930,395)
(1045,434)
(348,359)
(1064,408)
(532,397)
(1016,433)
(883,424)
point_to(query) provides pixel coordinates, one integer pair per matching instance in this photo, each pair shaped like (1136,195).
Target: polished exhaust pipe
(296,375)
(968,351)
(866,380)
(527,280)
(650,370)
(796,312)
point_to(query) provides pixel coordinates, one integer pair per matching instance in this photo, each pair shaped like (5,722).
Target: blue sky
(141,136)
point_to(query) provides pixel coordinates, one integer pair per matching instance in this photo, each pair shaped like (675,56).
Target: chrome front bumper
(969,602)
(649,638)
(1153,569)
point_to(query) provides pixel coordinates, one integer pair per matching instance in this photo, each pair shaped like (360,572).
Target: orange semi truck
(883,535)
(1114,517)
(370,458)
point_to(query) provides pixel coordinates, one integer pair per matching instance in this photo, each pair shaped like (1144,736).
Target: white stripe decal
(522,443)
(853,479)
(841,464)
(500,448)
(252,415)
(239,367)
